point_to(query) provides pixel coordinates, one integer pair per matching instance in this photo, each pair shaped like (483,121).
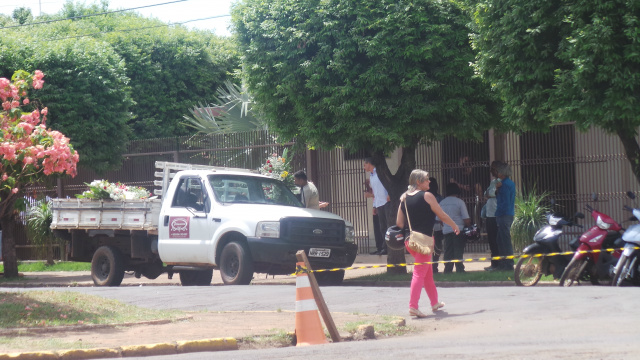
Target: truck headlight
(268,229)
(349,234)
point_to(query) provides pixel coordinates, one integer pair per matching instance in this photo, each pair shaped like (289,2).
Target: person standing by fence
(454,243)
(490,216)
(505,211)
(380,204)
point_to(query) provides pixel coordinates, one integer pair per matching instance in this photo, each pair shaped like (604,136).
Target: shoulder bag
(418,242)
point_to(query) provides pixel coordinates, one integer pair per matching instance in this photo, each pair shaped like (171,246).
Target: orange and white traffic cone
(308,327)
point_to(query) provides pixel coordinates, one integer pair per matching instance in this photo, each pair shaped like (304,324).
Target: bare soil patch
(244,326)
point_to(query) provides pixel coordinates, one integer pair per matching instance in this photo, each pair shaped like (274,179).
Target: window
(191,194)
(251,190)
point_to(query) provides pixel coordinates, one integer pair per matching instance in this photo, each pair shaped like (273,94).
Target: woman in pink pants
(423,209)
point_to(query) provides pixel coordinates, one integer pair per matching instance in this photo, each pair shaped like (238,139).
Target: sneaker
(417,313)
(437,306)
(377,252)
(383,252)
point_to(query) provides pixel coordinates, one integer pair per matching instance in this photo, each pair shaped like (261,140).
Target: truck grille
(310,230)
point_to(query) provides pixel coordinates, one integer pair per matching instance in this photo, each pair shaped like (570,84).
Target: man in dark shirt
(505,210)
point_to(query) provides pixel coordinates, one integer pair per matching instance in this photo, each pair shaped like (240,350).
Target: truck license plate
(316,252)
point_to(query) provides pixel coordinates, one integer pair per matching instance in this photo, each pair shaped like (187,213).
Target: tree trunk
(396,185)
(9,256)
(50,252)
(8,223)
(632,150)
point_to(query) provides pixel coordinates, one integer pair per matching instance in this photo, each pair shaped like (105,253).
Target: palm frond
(231,112)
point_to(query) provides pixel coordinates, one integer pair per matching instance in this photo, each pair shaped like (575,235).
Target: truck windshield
(251,190)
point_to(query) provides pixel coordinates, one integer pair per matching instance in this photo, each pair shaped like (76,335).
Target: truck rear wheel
(236,266)
(107,267)
(196,277)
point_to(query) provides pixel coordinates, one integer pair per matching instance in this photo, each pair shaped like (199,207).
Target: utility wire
(132,29)
(89,15)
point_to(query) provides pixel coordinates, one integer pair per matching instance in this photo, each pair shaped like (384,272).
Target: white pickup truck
(234,220)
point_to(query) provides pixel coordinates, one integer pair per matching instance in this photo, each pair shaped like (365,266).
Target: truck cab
(242,222)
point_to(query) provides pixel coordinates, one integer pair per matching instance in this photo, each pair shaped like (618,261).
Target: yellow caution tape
(302,269)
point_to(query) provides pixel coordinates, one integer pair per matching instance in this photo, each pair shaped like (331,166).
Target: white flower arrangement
(103,189)
(279,167)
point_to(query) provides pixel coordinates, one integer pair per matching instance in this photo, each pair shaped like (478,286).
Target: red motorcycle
(595,266)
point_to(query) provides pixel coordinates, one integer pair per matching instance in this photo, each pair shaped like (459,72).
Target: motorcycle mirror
(631,195)
(594,196)
(579,215)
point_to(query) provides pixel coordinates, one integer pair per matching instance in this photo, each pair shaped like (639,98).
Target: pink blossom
(14,190)
(25,101)
(5,177)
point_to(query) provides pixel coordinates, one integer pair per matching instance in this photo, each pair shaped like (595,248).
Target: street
(586,322)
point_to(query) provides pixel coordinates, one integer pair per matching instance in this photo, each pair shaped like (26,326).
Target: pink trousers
(422,278)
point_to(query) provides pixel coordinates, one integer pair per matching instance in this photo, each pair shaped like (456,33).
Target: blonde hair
(416,176)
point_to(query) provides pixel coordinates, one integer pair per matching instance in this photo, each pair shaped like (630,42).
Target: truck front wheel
(107,267)
(236,266)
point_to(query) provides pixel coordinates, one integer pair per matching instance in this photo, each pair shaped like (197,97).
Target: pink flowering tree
(28,153)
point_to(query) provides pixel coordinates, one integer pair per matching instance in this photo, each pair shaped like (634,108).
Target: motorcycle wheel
(528,271)
(572,272)
(617,278)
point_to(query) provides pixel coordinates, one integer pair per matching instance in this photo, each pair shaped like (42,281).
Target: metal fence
(569,165)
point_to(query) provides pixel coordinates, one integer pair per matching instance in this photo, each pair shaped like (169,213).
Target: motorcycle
(628,267)
(529,270)
(587,265)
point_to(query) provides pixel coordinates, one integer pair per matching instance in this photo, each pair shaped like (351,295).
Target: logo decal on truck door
(179,227)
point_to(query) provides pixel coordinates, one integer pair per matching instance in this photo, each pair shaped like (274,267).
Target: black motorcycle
(529,270)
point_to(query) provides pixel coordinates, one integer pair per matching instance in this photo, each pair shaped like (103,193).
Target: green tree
(87,92)
(171,69)
(373,75)
(558,61)
(126,84)
(22,15)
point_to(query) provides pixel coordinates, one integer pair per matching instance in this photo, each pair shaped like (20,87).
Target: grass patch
(383,326)
(59,308)
(279,338)
(463,277)
(19,342)
(39,266)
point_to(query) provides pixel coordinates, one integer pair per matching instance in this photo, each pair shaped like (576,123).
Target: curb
(178,347)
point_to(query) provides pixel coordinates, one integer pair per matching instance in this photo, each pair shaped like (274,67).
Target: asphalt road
(582,322)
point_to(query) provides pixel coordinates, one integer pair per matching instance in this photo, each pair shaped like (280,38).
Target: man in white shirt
(381,205)
(308,192)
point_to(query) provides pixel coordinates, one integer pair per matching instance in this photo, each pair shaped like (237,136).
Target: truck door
(186,231)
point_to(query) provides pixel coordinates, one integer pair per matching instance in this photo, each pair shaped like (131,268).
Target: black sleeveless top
(421,216)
